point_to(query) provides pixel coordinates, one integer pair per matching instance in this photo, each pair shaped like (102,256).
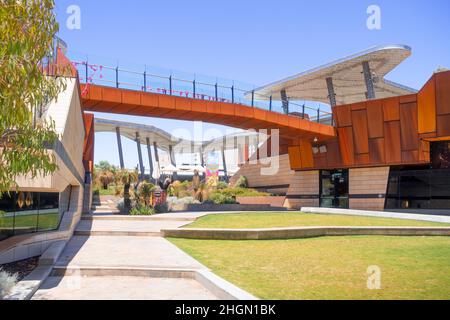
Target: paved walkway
(128,243)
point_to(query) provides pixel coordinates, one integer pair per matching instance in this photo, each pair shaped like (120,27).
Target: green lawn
(298,219)
(330,267)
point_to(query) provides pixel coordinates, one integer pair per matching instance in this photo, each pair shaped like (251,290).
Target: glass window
(418,188)
(49,216)
(6,215)
(26,212)
(334,189)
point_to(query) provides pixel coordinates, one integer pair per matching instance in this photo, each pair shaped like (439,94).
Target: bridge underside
(121,101)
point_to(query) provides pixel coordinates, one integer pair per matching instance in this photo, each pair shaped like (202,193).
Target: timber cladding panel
(390,131)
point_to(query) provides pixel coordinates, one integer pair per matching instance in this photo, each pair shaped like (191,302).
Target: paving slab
(121,288)
(127,225)
(124,251)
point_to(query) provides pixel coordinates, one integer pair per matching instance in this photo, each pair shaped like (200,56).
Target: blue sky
(256,42)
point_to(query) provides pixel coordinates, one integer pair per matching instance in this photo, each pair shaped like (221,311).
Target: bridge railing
(196,87)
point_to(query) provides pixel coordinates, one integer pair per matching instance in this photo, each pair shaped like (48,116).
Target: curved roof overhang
(348,78)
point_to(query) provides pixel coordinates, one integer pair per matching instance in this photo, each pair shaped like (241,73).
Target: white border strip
(379,214)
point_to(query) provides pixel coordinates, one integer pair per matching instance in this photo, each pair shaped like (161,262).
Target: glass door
(334,189)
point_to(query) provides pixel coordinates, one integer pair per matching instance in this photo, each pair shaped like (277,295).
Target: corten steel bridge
(112,90)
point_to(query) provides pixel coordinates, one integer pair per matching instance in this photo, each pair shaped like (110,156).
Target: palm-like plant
(145,191)
(127,179)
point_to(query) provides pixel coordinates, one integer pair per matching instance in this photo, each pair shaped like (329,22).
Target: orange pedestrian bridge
(97,98)
(112,90)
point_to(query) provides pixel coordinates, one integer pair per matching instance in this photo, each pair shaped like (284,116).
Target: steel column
(172,161)
(119,145)
(150,161)
(331,92)
(225,171)
(369,80)
(155,149)
(285,101)
(141,164)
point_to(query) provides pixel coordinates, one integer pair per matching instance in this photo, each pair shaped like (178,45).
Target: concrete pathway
(127,245)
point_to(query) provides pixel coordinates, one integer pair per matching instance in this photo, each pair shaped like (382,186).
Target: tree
(105,166)
(27,32)
(127,179)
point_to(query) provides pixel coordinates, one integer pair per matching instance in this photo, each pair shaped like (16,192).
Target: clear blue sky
(252,41)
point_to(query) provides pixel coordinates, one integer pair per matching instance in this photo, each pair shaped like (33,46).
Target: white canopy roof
(348,78)
(165,139)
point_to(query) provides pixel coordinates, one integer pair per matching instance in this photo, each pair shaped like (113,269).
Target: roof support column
(150,161)
(285,101)
(331,92)
(141,164)
(172,161)
(155,148)
(369,80)
(119,145)
(202,162)
(225,171)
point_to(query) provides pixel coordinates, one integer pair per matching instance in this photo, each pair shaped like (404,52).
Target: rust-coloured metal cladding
(122,101)
(389,131)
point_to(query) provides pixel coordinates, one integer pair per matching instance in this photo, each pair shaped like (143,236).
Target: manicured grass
(330,267)
(298,219)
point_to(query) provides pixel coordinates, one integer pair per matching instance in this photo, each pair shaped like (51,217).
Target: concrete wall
(367,188)
(66,112)
(274,183)
(68,180)
(303,190)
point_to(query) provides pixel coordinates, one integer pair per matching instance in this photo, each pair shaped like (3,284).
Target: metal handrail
(87,74)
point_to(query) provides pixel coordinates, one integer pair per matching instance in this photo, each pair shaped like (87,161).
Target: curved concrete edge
(25,289)
(378,214)
(221,288)
(299,233)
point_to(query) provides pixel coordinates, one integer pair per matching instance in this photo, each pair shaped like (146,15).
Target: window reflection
(26,212)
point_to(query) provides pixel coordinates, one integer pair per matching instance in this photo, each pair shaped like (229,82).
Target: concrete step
(100,271)
(117,217)
(93,233)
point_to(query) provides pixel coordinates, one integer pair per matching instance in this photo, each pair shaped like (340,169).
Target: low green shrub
(221,198)
(241,182)
(142,211)
(244,192)
(222,185)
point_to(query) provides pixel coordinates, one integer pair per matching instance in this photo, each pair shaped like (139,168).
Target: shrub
(145,192)
(244,192)
(221,198)
(241,182)
(222,185)
(142,211)
(7,282)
